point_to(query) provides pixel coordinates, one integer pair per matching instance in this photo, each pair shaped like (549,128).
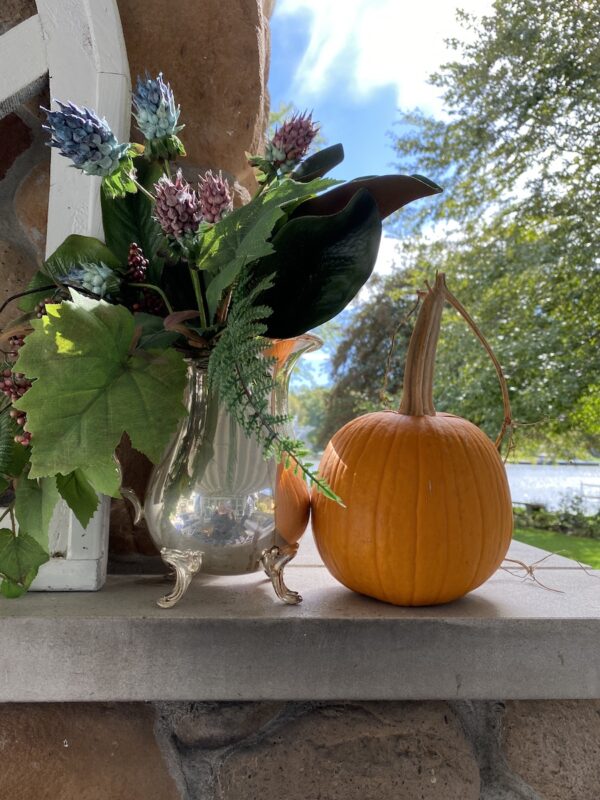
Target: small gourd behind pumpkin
(428,513)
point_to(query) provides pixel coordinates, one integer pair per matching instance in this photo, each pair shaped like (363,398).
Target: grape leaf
(79,494)
(241,237)
(104,477)
(13,456)
(35,501)
(20,558)
(90,387)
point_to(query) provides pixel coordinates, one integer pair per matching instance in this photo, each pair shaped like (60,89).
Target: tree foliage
(362,371)
(515,230)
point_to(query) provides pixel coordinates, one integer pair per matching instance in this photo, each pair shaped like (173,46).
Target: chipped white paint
(80,44)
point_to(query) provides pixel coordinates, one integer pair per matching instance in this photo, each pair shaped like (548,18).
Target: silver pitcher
(213,504)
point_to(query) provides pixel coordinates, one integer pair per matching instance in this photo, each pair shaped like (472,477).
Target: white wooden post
(80,44)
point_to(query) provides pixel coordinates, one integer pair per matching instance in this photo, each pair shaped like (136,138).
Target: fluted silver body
(213,493)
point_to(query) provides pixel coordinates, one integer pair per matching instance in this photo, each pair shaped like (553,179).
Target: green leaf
(129,219)
(10,589)
(242,236)
(119,184)
(154,336)
(105,477)
(319,164)
(79,494)
(13,456)
(35,501)
(319,265)
(30,301)
(76,250)
(20,558)
(89,388)
(391,192)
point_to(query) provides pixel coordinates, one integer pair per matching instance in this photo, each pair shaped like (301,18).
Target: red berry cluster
(14,385)
(20,418)
(138,264)
(14,343)
(40,309)
(149,302)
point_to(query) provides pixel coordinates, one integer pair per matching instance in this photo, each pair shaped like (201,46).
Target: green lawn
(576,547)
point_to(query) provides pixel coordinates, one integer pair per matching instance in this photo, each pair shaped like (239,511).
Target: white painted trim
(17,71)
(87,64)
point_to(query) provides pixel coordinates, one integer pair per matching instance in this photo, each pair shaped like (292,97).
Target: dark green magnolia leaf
(20,558)
(79,494)
(35,501)
(319,265)
(319,164)
(42,281)
(76,250)
(391,192)
(129,219)
(90,387)
(4,485)
(242,236)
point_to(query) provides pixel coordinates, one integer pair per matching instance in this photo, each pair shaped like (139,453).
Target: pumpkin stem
(417,391)
(507,422)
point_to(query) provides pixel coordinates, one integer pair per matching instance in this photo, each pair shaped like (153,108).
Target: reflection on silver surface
(213,493)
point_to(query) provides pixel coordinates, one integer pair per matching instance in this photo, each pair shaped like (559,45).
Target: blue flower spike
(157,117)
(79,134)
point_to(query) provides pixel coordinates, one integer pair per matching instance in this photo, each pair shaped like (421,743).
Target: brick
(371,751)
(31,205)
(554,746)
(16,269)
(82,751)
(15,139)
(14,11)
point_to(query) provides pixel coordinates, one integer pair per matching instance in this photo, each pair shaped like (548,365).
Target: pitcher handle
(129,494)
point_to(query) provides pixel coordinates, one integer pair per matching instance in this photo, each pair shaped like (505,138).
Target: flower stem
(142,189)
(199,297)
(158,290)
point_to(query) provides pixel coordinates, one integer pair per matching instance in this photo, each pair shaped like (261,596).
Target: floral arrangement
(105,328)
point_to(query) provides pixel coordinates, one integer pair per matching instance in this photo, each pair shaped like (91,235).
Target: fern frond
(242,377)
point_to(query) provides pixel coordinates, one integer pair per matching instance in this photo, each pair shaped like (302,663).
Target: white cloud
(369,44)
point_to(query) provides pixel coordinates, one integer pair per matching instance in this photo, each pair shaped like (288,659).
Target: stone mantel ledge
(230,639)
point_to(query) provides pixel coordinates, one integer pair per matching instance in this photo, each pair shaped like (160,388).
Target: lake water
(553,485)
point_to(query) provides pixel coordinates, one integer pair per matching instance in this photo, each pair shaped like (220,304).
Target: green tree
(368,363)
(516,229)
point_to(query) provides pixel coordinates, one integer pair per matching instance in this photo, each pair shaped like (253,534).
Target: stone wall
(24,182)
(538,750)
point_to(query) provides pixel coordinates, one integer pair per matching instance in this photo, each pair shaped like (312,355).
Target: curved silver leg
(274,561)
(186,564)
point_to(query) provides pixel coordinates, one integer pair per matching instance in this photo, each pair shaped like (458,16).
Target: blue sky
(355,63)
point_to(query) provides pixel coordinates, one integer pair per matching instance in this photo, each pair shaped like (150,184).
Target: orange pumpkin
(292,504)
(428,513)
